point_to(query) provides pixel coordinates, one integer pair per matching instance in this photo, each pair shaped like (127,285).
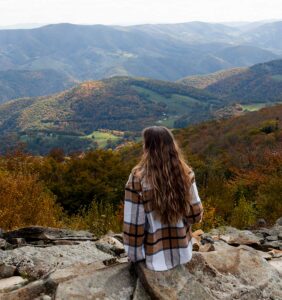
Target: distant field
(277,77)
(102,137)
(256,106)
(176,103)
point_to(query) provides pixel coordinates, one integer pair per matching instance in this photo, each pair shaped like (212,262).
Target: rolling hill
(260,83)
(119,103)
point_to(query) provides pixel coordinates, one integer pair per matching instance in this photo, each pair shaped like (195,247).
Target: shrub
(24,201)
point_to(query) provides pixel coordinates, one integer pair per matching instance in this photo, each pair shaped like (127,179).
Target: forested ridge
(258,83)
(66,119)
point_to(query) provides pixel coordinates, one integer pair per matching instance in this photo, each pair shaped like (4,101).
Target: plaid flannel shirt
(162,246)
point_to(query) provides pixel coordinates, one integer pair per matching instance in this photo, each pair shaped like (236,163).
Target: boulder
(3,244)
(261,222)
(237,273)
(236,237)
(175,284)
(228,273)
(12,283)
(279,222)
(207,247)
(36,262)
(113,283)
(32,291)
(267,246)
(6,270)
(272,238)
(110,245)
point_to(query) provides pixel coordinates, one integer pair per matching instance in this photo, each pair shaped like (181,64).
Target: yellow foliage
(244,214)
(24,201)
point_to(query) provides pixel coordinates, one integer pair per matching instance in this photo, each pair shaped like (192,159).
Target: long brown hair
(168,174)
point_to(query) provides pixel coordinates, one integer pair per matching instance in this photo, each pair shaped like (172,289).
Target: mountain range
(165,51)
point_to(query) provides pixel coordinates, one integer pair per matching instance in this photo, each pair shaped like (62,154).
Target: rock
(277,264)
(176,283)
(6,270)
(12,283)
(207,247)
(275,253)
(110,261)
(205,238)
(75,270)
(64,242)
(233,236)
(17,241)
(109,283)
(118,236)
(272,238)
(279,222)
(228,273)
(31,291)
(139,292)
(110,245)
(261,222)
(267,246)
(36,262)
(1,233)
(197,233)
(49,234)
(262,232)
(3,244)
(236,273)
(195,244)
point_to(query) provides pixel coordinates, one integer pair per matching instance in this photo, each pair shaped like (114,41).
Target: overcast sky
(127,12)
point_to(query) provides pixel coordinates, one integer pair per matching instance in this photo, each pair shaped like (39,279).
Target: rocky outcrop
(48,263)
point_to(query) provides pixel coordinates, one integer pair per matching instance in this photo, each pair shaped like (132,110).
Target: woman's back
(163,245)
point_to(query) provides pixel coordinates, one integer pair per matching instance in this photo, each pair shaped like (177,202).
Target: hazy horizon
(34,13)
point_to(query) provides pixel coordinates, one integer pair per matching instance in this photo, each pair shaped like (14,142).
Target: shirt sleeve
(196,208)
(134,220)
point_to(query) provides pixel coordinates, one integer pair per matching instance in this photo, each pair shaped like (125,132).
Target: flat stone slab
(36,262)
(12,283)
(48,234)
(113,283)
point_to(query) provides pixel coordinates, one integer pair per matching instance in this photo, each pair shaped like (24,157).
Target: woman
(161,204)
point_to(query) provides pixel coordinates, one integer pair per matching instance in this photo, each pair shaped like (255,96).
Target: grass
(254,106)
(102,137)
(277,77)
(257,106)
(176,104)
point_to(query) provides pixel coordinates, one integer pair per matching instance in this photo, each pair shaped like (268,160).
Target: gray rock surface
(110,283)
(36,262)
(62,264)
(234,236)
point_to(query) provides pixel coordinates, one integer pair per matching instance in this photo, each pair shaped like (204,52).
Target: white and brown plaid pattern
(163,246)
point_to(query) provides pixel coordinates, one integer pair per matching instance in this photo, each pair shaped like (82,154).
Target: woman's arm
(134,220)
